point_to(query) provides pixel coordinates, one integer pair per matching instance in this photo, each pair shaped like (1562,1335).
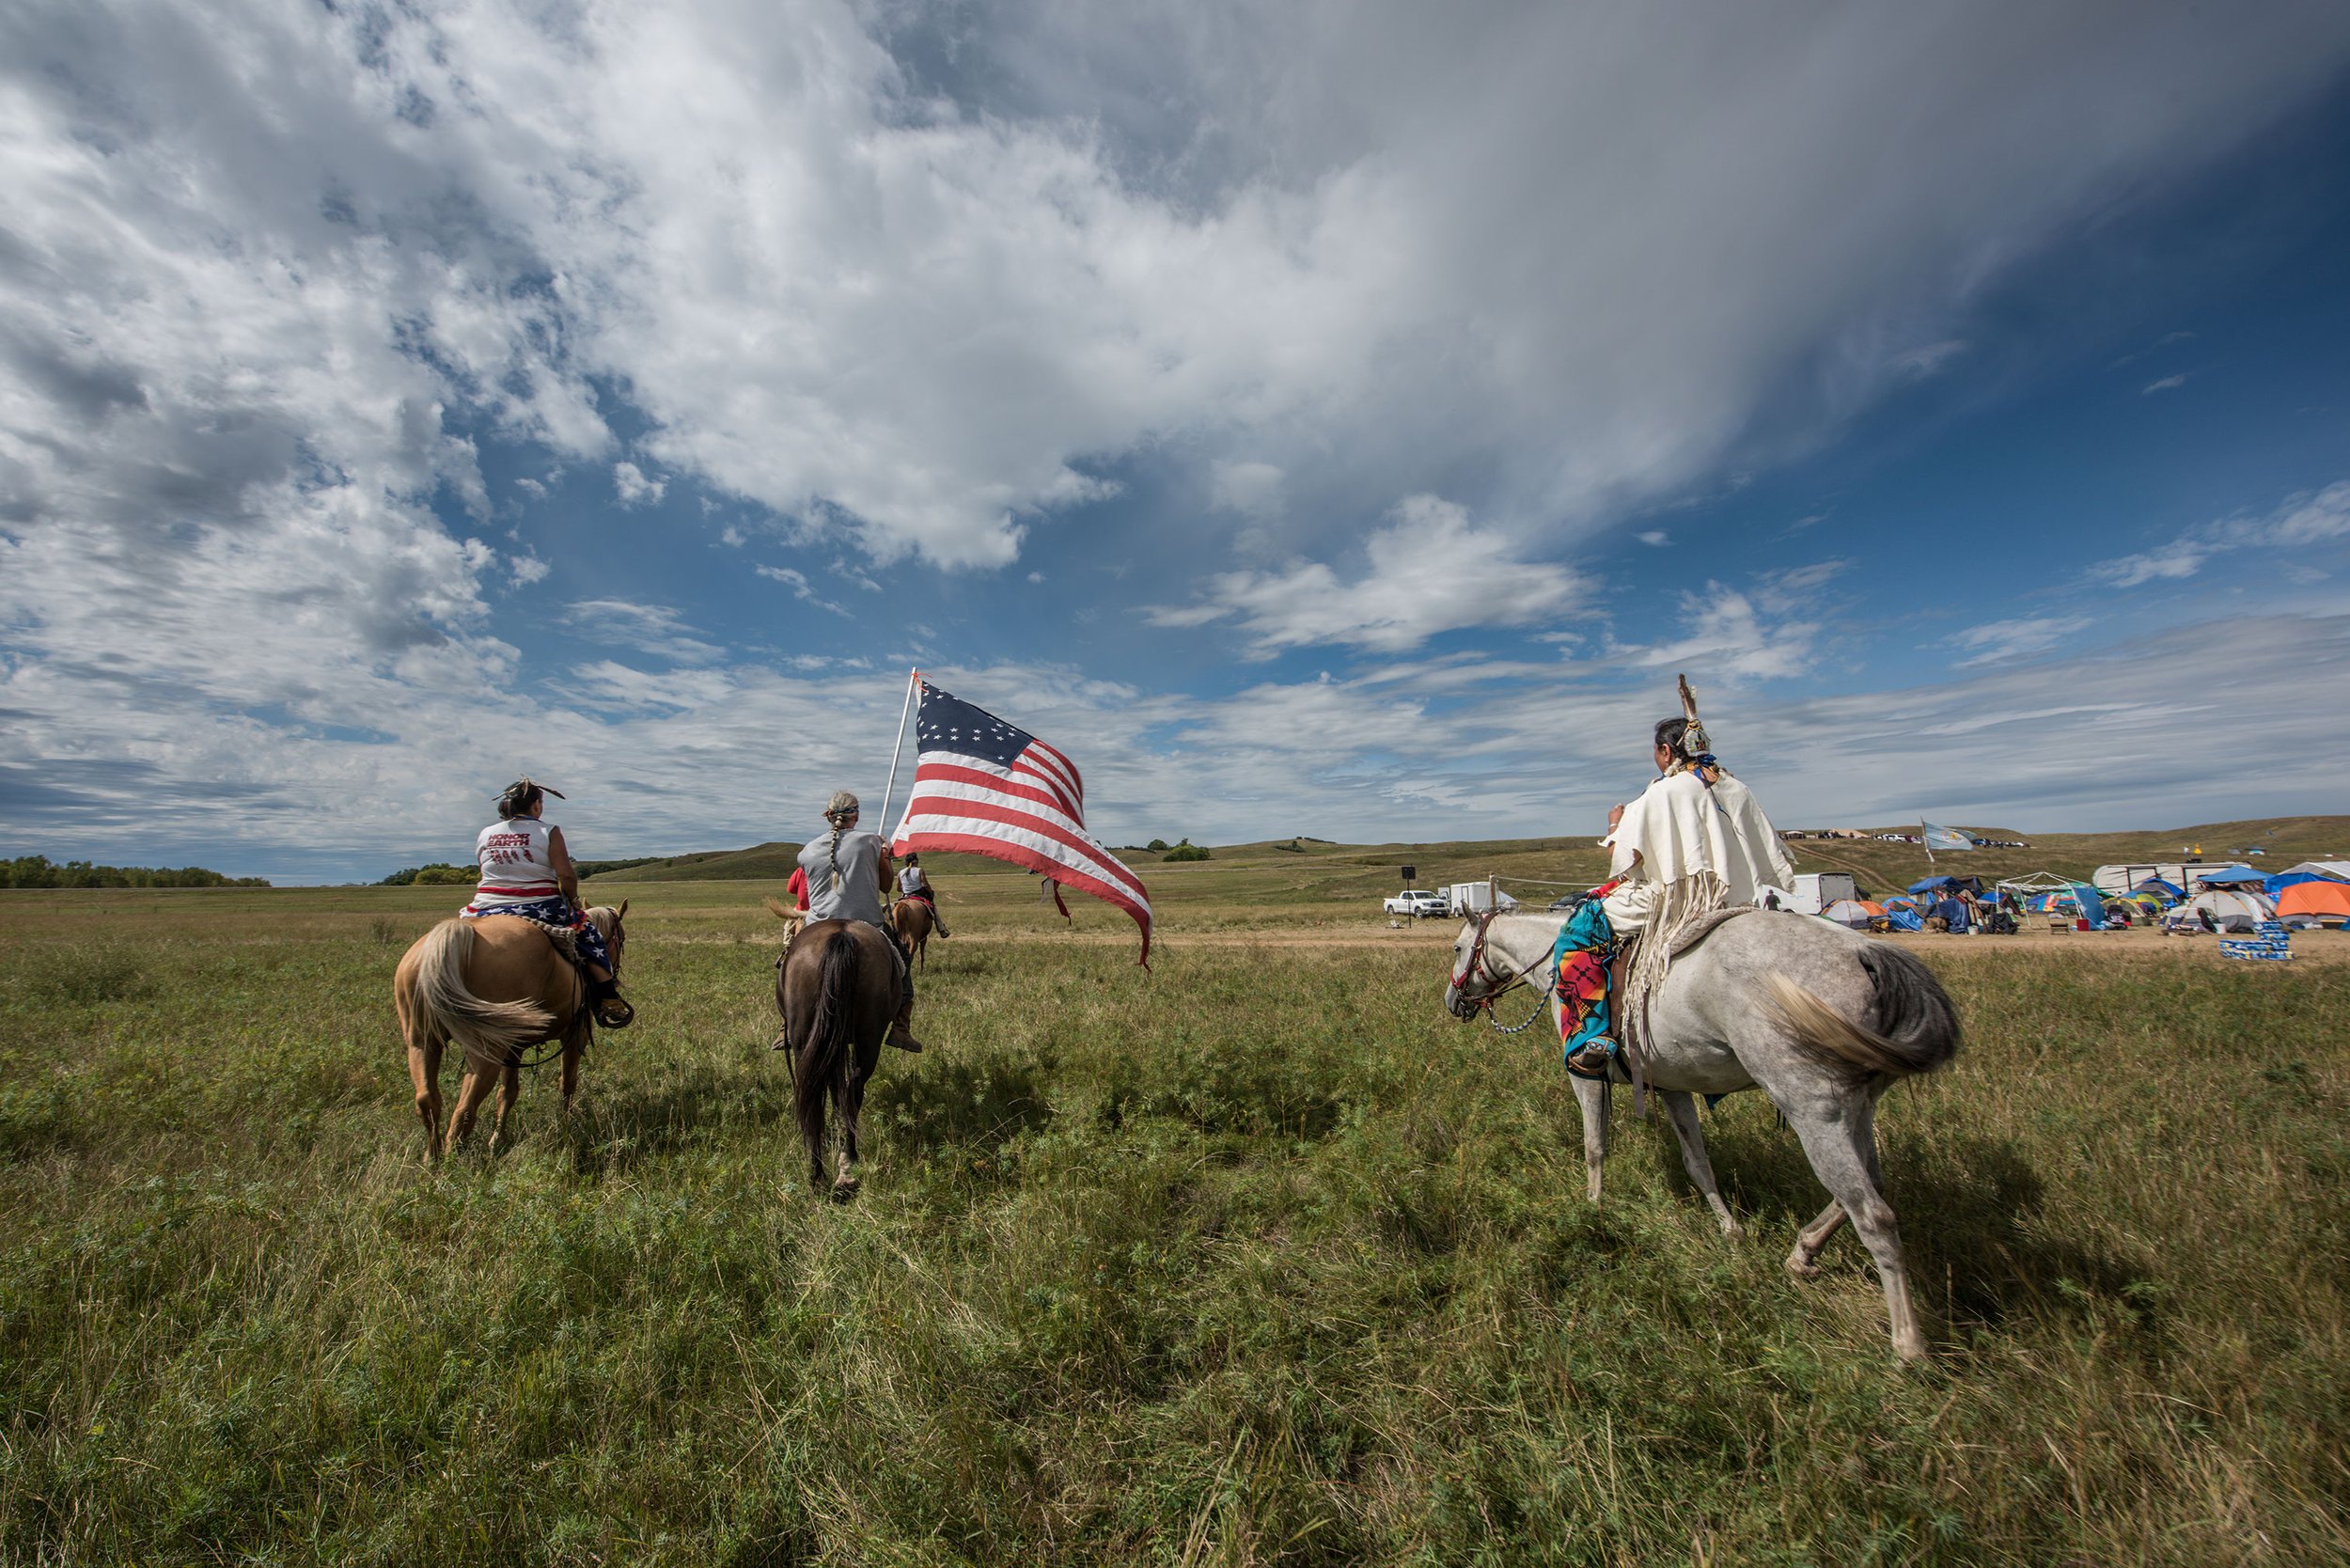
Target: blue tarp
(2226,877)
(1934,884)
(2275,884)
(1902,920)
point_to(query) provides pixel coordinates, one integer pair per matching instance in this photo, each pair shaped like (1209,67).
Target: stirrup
(1597,1056)
(613,1011)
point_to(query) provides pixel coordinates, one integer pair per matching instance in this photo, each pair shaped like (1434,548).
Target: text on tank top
(516,866)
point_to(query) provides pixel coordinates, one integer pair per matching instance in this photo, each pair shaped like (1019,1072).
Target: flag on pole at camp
(1946,837)
(985,787)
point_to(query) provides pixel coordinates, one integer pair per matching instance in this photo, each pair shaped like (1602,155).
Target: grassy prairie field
(1254,1258)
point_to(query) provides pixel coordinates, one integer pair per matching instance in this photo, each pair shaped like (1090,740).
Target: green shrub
(1186,852)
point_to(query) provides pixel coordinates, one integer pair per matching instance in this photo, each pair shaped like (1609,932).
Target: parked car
(1416,902)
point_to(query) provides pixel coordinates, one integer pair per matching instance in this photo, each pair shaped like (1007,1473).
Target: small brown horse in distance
(914,922)
(495,986)
(836,987)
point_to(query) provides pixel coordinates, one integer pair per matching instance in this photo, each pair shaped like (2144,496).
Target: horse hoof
(844,1190)
(1802,1270)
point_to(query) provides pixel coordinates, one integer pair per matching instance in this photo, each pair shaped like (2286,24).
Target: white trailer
(1475,898)
(2117,880)
(1815,890)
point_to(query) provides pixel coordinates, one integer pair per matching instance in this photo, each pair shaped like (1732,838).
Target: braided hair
(838,811)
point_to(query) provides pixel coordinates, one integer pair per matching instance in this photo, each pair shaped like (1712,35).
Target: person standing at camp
(1695,841)
(848,874)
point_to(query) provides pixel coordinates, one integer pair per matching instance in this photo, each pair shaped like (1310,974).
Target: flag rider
(526,872)
(1694,843)
(847,875)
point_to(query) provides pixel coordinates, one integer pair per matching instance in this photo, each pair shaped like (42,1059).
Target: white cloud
(1429,570)
(1654,536)
(1725,633)
(801,588)
(655,629)
(2180,558)
(1251,489)
(2000,640)
(633,488)
(526,569)
(2167,384)
(2307,518)
(732,537)
(1928,359)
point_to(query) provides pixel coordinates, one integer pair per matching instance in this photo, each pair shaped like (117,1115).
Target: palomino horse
(493,986)
(1820,1018)
(914,920)
(836,987)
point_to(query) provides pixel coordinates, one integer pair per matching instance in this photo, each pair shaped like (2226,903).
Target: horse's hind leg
(845,1182)
(509,1089)
(1841,1139)
(1684,1113)
(424,1071)
(1802,1262)
(470,1094)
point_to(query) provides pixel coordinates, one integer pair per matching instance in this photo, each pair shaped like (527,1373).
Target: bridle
(1476,968)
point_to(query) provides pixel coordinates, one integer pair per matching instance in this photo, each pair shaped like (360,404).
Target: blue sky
(1344,421)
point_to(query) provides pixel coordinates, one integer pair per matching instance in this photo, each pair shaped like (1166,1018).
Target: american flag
(985,787)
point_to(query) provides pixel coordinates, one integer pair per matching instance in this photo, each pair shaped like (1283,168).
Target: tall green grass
(1254,1259)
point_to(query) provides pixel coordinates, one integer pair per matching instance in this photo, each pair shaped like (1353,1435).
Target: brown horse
(495,986)
(836,987)
(914,919)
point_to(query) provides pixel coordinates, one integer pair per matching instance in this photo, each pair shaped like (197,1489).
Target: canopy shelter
(2317,899)
(2226,877)
(2043,890)
(1948,883)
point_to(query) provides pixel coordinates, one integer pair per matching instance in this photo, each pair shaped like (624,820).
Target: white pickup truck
(1414,902)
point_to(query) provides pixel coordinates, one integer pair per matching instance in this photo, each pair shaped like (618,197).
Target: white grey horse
(1820,1018)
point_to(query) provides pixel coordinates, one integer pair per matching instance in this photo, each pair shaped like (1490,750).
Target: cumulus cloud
(1430,569)
(633,489)
(1654,536)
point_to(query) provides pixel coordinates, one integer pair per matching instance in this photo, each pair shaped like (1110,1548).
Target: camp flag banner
(1938,838)
(985,787)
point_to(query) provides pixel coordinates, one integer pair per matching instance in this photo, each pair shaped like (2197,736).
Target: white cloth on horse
(854,894)
(1683,831)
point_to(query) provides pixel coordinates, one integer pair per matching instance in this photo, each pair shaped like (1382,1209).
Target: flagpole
(913,679)
(1923,837)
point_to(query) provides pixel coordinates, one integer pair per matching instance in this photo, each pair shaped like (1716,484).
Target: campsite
(1257,1248)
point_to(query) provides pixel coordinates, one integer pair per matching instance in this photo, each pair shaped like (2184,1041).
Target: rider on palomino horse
(1694,843)
(847,873)
(526,872)
(914,883)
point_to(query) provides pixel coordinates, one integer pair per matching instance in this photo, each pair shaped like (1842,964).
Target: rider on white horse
(1694,843)
(526,872)
(848,872)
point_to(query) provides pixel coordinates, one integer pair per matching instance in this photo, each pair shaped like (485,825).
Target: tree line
(39,870)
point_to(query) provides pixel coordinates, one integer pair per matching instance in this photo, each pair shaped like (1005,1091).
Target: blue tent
(2155,884)
(2226,877)
(2275,884)
(1934,884)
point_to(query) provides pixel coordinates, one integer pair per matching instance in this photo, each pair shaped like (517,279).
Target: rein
(1474,970)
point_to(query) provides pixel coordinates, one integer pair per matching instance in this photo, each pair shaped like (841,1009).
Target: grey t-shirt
(857,895)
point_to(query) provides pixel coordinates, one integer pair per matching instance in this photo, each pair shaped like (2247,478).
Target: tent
(2321,868)
(1853,912)
(2155,884)
(2317,899)
(2226,877)
(2282,880)
(1902,919)
(2226,911)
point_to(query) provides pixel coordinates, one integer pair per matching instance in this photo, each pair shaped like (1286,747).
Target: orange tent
(2328,899)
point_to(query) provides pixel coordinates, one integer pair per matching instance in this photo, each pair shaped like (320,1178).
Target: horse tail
(824,1066)
(1917,1026)
(447,1007)
(780,910)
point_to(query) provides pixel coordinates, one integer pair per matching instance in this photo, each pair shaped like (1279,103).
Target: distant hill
(1576,861)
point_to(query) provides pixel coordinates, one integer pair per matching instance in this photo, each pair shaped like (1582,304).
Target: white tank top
(516,866)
